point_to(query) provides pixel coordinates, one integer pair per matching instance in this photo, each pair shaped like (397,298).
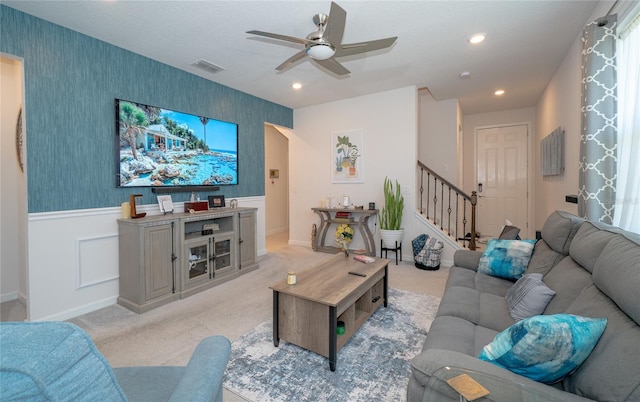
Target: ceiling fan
(325,44)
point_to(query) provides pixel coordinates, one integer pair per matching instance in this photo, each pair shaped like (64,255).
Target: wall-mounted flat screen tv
(159,147)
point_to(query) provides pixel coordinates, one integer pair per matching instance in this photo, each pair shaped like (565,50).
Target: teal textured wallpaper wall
(71,81)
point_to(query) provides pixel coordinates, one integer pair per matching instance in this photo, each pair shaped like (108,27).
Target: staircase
(447,212)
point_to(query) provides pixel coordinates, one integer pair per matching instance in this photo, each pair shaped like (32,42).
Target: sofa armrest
(202,379)
(429,371)
(467,259)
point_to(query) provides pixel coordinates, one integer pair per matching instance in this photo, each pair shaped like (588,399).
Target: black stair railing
(448,207)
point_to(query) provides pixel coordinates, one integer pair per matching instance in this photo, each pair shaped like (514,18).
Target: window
(627,203)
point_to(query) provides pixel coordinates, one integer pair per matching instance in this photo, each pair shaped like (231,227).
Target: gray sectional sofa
(594,269)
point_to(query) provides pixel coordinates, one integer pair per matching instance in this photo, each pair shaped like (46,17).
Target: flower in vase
(344,235)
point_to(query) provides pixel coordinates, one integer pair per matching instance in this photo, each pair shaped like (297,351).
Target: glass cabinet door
(222,254)
(198,260)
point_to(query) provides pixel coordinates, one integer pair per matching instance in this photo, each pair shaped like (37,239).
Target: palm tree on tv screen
(133,120)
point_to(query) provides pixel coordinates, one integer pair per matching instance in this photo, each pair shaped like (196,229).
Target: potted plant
(391,215)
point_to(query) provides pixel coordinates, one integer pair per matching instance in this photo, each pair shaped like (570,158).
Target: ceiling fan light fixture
(321,51)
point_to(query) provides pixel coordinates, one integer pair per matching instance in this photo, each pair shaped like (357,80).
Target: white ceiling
(526,42)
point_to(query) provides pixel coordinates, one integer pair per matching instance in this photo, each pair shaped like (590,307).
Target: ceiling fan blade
(292,60)
(335,26)
(362,47)
(333,66)
(281,37)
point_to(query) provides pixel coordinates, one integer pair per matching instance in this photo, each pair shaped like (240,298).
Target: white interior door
(502,178)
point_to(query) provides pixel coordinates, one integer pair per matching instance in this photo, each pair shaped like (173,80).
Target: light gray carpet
(372,366)
(169,334)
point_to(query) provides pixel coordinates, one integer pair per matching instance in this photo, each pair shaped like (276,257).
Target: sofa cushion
(458,335)
(480,282)
(484,309)
(543,259)
(506,258)
(545,348)
(529,296)
(558,230)
(617,274)
(611,372)
(567,279)
(588,244)
(53,361)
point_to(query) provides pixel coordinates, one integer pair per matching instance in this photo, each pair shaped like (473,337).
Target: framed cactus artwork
(347,157)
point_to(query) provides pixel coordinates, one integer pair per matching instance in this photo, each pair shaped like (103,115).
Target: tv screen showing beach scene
(161,147)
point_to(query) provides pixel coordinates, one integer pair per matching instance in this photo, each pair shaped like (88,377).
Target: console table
(358,217)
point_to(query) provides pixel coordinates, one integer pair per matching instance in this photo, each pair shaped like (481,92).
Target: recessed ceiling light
(464,74)
(296,85)
(477,38)
(499,92)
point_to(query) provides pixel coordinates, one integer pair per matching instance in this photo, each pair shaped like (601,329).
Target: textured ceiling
(526,42)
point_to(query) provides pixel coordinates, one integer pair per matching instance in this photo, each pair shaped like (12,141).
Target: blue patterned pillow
(506,258)
(545,348)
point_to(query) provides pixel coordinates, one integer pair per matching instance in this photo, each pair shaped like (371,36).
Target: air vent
(207,66)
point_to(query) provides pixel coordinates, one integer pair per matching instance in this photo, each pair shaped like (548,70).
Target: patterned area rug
(372,366)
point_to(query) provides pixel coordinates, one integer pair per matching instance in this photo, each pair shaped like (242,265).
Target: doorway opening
(276,159)
(13,203)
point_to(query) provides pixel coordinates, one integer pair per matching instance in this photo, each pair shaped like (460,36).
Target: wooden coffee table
(306,314)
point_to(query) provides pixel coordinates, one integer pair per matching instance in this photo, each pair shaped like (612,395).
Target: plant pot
(390,237)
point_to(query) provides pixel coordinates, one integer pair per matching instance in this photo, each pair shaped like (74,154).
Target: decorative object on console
(132,206)
(216,201)
(196,206)
(233,203)
(391,214)
(166,204)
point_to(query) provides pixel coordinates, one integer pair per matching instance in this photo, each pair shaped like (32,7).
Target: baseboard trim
(75,312)
(7,297)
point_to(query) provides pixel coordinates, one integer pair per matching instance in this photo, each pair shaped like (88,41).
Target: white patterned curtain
(627,208)
(597,175)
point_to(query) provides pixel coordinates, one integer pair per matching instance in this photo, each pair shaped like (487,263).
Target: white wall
(438,135)
(389,122)
(559,106)
(13,204)
(276,147)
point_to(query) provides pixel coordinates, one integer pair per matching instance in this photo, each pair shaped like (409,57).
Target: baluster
(421,189)
(428,202)
(464,221)
(435,199)
(449,213)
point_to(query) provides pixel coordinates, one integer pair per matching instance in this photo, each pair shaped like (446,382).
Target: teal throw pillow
(545,348)
(506,259)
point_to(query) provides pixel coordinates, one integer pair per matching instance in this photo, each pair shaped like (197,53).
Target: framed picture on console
(216,201)
(346,157)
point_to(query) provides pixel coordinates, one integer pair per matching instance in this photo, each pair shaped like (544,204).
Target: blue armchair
(59,361)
